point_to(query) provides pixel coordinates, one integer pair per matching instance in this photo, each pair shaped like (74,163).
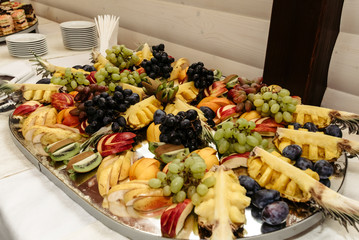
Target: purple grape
(303,163)
(159,116)
(256,213)
(325,182)
(263,197)
(310,126)
(296,125)
(324,169)
(333,130)
(292,151)
(275,213)
(249,184)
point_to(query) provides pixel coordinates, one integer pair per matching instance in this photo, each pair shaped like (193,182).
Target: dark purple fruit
(292,151)
(275,213)
(256,213)
(263,197)
(333,130)
(296,125)
(249,184)
(208,113)
(310,126)
(44,81)
(323,168)
(159,116)
(303,163)
(325,182)
(191,114)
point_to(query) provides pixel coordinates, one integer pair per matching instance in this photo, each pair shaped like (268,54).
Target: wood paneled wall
(343,77)
(230,35)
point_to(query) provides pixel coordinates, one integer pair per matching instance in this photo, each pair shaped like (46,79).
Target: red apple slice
(117,150)
(235,160)
(173,218)
(116,145)
(123,136)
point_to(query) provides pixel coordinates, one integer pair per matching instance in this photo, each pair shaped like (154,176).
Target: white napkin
(21,70)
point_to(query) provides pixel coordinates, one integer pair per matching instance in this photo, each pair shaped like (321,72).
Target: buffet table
(32,207)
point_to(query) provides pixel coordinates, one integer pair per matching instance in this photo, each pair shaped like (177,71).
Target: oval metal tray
(301,217)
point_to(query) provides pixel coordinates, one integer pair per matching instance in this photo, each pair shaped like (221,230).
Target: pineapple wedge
(187,92)
(137,116)
(222,208)
(341,208)
(322,117)
(315,145)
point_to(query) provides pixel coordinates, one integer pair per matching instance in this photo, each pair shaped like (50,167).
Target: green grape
(223,146)
(250,97)
(267,96)
(154,183)
(291,108)
(73,84)
(264,143)
(274,96)
(287,117)
(112,86)
(86,82)
(123,74)
(202,189)
(283,107)
(241,138)
(271,102)
(198,175)
(161,176)
(275,108)
(258,102)
(242,123)
(103,72)
(63,82)
(252,141)
(108,51)
(131,81)
(257,96)
(251,125)
(176,184)
(123,65)
(218,135)
(227,125)
(284,92)
(265,107)
(100,78)
(181,196)
(239,148)
(167,191)
(190,191)
(176,161)
(115,77)
(55,80)
(265,114)
(196,199)
(248,147)
(210,181)
(102,83)
(257,136)
(278,117)
(173,167)
(198,167)
(124,80)
(279,99)
(294,101)
(189,162)
(228,133)
(287,99)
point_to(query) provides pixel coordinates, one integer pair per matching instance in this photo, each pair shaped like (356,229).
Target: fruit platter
(158,147)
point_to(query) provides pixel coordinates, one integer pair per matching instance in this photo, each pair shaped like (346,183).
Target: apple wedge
(235,160)
(117,192)
(173,218)
(148,204)
(131,196)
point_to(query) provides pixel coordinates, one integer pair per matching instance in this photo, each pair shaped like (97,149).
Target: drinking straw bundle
(107,27)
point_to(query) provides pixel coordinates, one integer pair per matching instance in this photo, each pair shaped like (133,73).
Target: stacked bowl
(26,44)
(79,35)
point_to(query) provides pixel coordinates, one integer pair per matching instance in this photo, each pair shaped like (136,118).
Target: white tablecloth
(32,207)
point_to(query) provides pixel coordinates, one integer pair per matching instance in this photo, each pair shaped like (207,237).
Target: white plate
(25,37)
(77,24)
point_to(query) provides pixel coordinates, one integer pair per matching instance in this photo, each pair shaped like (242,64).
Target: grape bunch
(86,67)
(122,57)
(238,137)
(160,64)
(201,76)
(241,88)
(184,128)
(104,109)
(279,105)
(183,179)
(70,80)
(110,76)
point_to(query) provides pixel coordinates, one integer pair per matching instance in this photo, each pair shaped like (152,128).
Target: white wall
(343,77)
(230,35)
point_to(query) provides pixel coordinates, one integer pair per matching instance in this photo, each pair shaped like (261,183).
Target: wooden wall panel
(204,27)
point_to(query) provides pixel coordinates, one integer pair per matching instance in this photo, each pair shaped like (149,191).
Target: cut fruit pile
(210,146)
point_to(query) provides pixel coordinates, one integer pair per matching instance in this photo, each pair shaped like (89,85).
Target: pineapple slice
(315,145)
(322,117)
(264,171)
(222,208)
(139,115)
(341,208)
(187,92)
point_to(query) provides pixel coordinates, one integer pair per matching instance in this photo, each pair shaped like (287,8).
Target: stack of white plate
(79,35)
(26,44)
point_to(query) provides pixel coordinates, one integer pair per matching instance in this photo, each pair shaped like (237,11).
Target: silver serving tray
(26,30)
(301,217)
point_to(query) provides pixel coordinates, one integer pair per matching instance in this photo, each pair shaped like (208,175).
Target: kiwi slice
(66,152)
(88,163)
